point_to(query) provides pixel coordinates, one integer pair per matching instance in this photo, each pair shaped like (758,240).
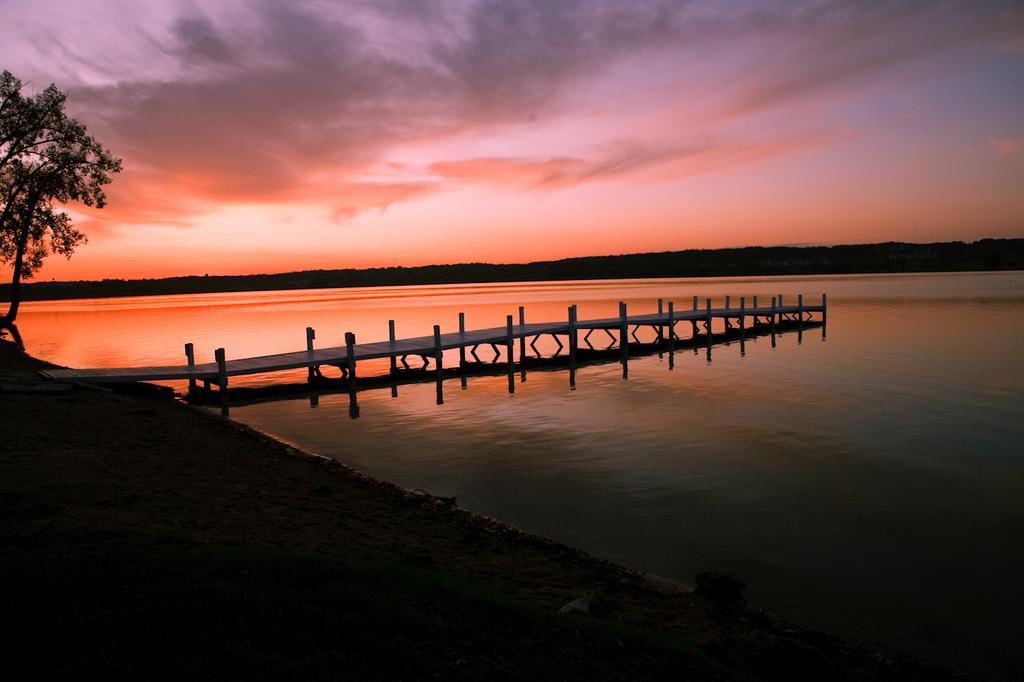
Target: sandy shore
(92,466)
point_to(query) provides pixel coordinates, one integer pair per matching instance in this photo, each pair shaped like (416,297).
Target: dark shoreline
(91,511)
(883,258)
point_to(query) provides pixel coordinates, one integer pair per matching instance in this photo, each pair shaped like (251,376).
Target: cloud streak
(627,159)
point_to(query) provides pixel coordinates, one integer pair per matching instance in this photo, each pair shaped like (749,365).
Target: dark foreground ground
(140,538)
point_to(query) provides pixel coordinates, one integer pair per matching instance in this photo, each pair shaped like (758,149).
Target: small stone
(724,588)
(581,605)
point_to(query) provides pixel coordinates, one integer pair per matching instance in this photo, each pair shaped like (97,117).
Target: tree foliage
(47,160)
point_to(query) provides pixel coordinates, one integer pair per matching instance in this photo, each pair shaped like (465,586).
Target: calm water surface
(871,482)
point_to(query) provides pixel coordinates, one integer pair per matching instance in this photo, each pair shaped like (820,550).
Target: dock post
(623,338)
(462,351)
(661,329)
(509,343)
(800,308)
(350,356)
(222,380)
(693,322)
(755,311)
(728,324)
(393,359)
(572,347)
(824,323)
(350,353)
(743,326)
(310,335)
(190,356)
(438,364)
(707,327)
(462,347)
(522,342)
(771,322)
(671,336)
(780,309)
(623,325)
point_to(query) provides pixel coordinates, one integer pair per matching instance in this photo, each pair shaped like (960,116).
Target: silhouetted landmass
(986,254)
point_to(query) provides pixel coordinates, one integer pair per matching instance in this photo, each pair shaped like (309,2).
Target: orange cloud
(1007,146)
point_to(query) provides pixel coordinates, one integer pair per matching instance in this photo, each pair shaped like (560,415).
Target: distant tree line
(986,254)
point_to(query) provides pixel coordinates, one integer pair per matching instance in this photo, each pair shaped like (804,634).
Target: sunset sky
(274,136)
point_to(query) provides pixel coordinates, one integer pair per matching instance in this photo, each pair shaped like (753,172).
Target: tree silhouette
(47,160)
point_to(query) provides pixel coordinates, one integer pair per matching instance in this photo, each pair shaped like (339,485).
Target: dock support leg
(350,352)
(693,322)
(728,322)
(660,328)
(800,319)
(771,322)
(522,343)
(462,332)
(310,335)
(824,308)
(222,380)
(707,327)
(462,350)
(190,356)
(743,326)
(438,364)
(509,350)
(572,347)
(671,336)
(623,341)
(393,370)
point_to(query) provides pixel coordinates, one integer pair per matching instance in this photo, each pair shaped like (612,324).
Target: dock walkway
(432,346)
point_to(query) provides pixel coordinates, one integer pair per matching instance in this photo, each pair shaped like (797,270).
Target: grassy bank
(141,538)
(182,610)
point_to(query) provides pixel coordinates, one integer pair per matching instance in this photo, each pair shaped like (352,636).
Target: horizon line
(506,264)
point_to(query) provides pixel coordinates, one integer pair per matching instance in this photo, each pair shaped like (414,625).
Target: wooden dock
(664,322)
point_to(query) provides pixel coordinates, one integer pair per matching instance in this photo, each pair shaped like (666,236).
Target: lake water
(871,482)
